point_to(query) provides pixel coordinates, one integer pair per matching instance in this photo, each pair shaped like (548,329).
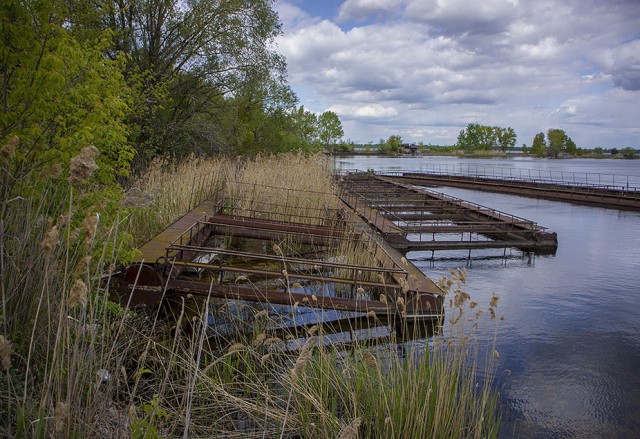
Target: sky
(425,69)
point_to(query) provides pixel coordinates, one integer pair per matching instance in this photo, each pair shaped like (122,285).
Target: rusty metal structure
(349,259)
(414,218)
(213,252)
(594,190)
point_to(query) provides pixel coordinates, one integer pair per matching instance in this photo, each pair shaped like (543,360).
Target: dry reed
(78,365)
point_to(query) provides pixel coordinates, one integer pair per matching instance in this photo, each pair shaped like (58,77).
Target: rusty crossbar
(280,275)
(286,259)
(143,282)
(385,195)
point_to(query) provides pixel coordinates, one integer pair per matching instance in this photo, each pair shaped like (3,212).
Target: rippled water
(569,346)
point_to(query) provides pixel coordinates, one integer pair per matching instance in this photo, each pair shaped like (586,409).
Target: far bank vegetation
(118,117)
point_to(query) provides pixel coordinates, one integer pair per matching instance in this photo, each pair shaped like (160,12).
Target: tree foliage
(555,144)
(559,143)
(190,65)
(486,138)
(539,145)
(628,152)
(393,145)
(58,94)
(148,78)
(329,128)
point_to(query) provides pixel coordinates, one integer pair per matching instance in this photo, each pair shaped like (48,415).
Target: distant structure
(409,148)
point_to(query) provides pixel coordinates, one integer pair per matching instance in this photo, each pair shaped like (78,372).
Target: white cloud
(373,111)
(292,16)
(360,10)
(544,49)
(625,65)
(458,16)
(435,66)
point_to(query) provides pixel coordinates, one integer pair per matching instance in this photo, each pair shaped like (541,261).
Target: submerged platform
(593,190)
(336,262)
(413,218)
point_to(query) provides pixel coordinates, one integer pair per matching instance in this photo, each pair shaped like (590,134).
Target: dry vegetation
(287,187)
(75,364)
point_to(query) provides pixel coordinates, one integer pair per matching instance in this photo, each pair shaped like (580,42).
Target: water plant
(76,363)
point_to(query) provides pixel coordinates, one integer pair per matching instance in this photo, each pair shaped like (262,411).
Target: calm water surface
(569,346)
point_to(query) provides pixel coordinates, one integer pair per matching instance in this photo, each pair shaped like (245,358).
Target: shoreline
(477,156)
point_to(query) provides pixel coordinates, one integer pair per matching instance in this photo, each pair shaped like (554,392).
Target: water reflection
(570,343)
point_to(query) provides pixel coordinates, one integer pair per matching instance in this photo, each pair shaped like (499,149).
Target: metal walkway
(596,190)
(210,252)
(413,218)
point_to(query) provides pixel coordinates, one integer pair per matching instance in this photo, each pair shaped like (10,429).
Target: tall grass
(76,364)
(56,317)
(289,186)
(416,391)
(167,190)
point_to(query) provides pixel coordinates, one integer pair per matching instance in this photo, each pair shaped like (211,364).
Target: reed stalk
(75,363)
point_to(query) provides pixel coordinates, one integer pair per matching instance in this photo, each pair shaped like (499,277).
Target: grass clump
(76,364)
(288,187)
(167,190)
(402,389)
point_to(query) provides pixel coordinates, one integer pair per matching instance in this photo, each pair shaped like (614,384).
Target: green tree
(58,94)
(393,145)
(556,139)
(184,58)
(559,142)
(539,145)
(507,138)
(306,124)
(469,139)
(329,128)
(347,146)
(263,117)
(486,138)
(628,152)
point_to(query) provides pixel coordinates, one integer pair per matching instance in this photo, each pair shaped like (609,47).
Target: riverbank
(77,363)
(485,154)
(555,349)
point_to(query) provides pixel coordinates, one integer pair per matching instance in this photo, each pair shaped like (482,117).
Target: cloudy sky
(424,69)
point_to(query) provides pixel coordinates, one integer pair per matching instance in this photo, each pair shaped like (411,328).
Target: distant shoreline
(478,155)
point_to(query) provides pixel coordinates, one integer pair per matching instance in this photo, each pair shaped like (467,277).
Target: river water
(569,345)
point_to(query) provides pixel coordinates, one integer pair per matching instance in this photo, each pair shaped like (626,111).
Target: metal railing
(594,180)
(546,176)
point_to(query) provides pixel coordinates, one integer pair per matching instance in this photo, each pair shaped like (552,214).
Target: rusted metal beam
(595,196)
(273,274)
(279,226)
(421,216)
(280,297)
(286,259)
(156,247)
(424,204)
(463,228)
(470,245)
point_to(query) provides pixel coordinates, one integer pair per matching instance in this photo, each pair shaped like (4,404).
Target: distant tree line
(476,137)
(556,143)
(627,152)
